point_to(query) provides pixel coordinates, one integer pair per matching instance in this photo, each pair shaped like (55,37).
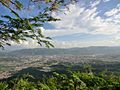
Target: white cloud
(106,0)
(62,32)
(26,44)
(95,3)
(80,19)
(114,11)
(70,44)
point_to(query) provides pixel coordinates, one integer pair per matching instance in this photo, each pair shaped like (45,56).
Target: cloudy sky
(88,23)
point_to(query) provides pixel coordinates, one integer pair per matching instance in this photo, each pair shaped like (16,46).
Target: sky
(87,23)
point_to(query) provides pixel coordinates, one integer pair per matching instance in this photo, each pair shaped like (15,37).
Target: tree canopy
(16,28)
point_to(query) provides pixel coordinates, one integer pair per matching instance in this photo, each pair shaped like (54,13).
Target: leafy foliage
(16,28)
(3,86)
(71,81)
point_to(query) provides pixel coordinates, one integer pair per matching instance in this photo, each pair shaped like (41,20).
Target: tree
(16,28)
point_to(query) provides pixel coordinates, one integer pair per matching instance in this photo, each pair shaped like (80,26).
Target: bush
(72,81)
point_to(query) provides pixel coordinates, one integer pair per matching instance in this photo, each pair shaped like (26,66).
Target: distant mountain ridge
(94,50)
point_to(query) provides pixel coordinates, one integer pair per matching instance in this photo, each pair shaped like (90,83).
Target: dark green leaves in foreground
(16,28)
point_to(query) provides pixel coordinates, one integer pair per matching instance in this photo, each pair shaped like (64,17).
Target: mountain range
(94,50)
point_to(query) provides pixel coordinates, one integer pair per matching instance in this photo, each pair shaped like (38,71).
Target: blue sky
(87,23)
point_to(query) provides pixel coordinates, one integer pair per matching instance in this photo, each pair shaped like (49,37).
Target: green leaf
(16,14)
(48,38)
(47,1)
(1,21)
(51,44)
(18,5)
(7,17)
(29,25)
(8,44)
(36,25)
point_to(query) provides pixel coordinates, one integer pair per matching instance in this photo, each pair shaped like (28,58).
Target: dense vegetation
(68,81)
